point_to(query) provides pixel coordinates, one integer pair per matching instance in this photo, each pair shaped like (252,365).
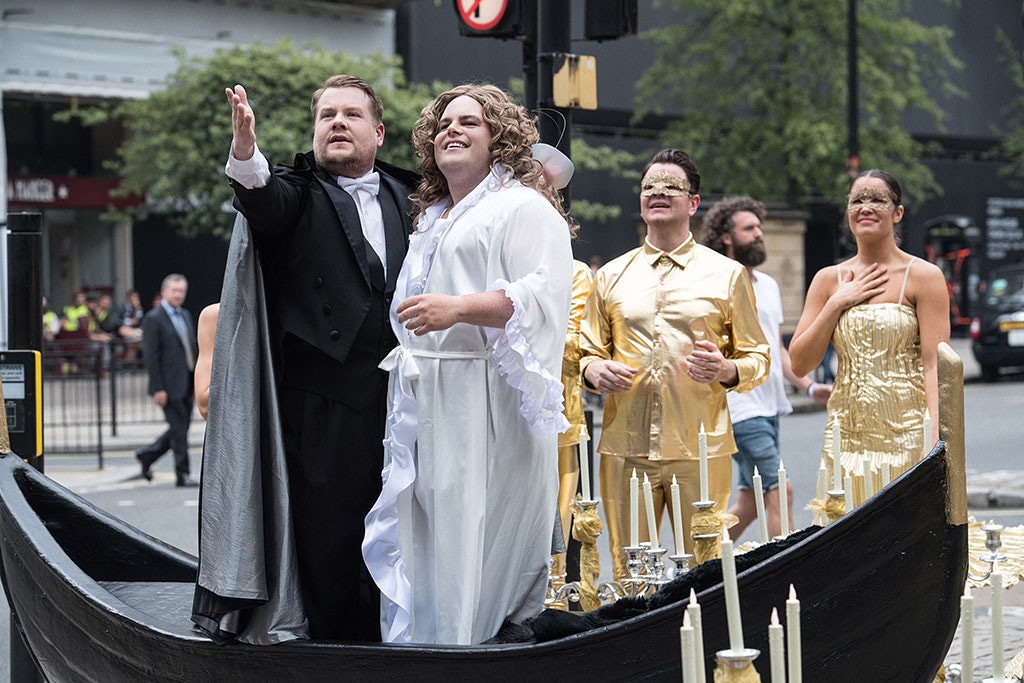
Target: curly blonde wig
(513,134)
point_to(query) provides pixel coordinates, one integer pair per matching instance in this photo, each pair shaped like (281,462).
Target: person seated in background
(76,314)
(129,316)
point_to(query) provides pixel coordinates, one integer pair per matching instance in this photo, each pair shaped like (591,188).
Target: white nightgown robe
(460,537)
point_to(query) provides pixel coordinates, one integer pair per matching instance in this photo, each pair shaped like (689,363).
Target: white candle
(634,511)
(997,626)
(702,445)
(732,594)
(687,645)
(927,432)
(584,464)
(822,487)
(677,518)
(967,636)
(693,610)
(783,501)
(886,474)
(848,492)
(796,673)
(869,480)
(776,649)
(837,468)
(652,526)
(762,519)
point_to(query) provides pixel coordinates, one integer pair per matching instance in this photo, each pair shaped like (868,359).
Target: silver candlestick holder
(654,567)
(681,564)
(635,567)
(993,542)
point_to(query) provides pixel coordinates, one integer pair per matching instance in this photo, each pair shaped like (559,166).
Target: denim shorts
(757,443)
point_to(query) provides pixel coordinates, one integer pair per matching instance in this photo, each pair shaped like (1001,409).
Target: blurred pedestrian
(170,349)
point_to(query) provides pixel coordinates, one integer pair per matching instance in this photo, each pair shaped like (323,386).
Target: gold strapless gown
(878,395)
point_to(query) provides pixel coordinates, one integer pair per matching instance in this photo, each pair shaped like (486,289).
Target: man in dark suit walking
(169,350)
(331,232)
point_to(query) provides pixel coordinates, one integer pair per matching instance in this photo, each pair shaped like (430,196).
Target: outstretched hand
(858,288)
(243,124)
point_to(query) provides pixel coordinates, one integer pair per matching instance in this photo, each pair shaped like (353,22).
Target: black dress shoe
(186,481)
(146,464)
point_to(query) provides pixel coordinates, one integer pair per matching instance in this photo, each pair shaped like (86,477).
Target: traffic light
(490,18)
(609,19)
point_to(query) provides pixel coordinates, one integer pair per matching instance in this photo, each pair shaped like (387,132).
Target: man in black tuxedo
(331,232)
(169,351)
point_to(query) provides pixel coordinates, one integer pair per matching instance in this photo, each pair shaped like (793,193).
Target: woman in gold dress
(885,313)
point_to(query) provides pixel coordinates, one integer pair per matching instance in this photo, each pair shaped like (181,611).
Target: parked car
(998,331)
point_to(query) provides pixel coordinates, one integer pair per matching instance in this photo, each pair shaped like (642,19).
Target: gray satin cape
(247,588)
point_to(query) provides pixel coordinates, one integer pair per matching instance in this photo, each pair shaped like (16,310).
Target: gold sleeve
(747,347)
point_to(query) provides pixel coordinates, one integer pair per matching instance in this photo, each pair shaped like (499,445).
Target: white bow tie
(369,182)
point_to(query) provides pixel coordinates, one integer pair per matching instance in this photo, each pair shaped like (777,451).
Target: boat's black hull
(101,601)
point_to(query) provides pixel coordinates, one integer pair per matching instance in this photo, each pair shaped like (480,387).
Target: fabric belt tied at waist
(405,359)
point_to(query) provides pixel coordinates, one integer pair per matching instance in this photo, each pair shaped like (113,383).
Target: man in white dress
(459,540)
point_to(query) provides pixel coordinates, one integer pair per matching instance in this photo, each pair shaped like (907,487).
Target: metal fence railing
(95,398)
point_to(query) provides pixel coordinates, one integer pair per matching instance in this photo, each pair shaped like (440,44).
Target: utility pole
(554,44)
(853,157)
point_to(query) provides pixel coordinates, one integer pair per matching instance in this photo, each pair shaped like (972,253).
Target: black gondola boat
(97,600)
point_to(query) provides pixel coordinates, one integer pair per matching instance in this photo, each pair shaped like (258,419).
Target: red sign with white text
(66,192)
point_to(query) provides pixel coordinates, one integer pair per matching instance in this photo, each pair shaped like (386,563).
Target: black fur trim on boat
(552,624)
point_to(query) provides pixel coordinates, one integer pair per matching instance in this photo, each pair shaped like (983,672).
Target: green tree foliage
(760,90)
(1011,144)
(177,139)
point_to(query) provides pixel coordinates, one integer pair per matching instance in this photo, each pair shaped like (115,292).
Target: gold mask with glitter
(664,184)
(872,198)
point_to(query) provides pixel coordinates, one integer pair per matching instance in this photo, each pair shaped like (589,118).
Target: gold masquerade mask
(877,200)
(664,184)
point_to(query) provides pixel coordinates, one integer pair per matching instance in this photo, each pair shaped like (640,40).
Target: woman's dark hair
(892,183)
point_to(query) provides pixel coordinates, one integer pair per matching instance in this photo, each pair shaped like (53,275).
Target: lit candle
(837,468)
(997,625)
(584,464)
(886,474)
(927,432)
(677,518)
(762,519)
(732,594)
(652,526)
(687,642)
(776,649)
(822,487)
(869,480)
(783,501)
(848,492)
(967,635)
(693,610)
(634,511)
(702,444)
(796,673)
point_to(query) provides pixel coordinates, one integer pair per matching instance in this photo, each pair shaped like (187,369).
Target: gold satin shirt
(582,282)
(647,309)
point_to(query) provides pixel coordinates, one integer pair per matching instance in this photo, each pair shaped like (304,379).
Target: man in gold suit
(669,328)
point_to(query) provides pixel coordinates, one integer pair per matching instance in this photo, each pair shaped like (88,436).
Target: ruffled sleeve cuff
(540,391)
